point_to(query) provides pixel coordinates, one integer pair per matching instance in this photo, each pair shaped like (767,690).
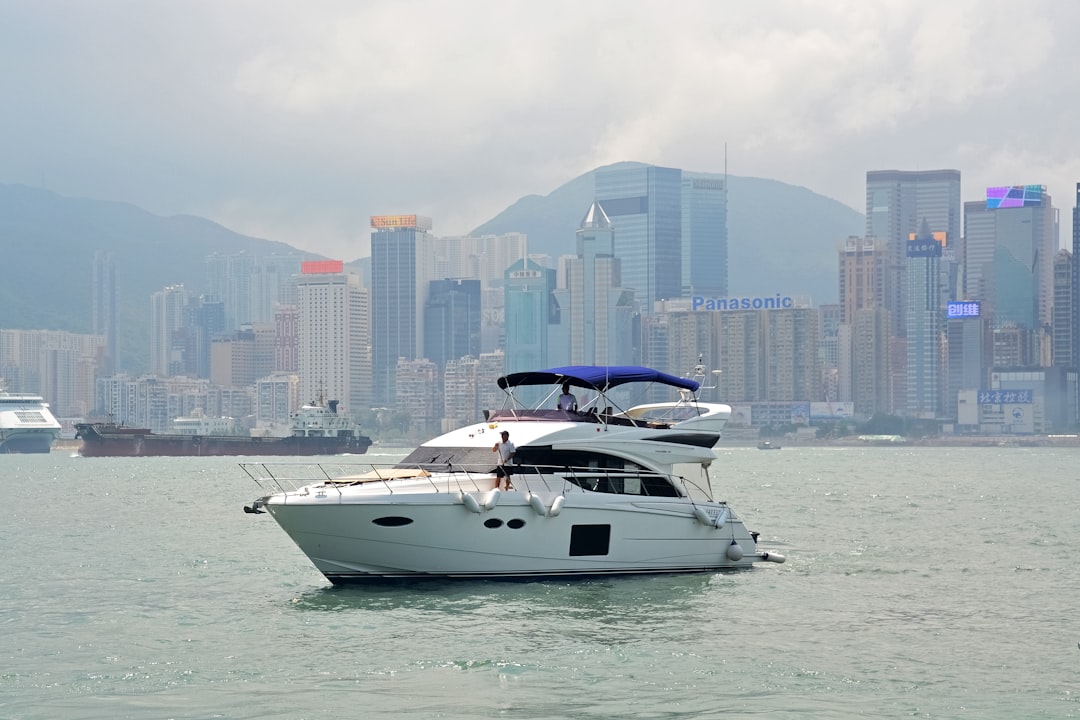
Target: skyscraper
(644,204)
(599,309)
(704,235)
(1010,243)
(452,321)
(104,308)
(402,266)
(1064,325)
(897,202)
(925,323)
(1076,279)
(530,307)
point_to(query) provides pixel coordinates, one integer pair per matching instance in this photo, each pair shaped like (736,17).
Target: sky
(296,121)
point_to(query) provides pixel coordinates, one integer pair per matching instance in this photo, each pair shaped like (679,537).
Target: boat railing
(284,477)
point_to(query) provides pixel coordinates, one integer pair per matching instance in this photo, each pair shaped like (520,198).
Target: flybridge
(775,302)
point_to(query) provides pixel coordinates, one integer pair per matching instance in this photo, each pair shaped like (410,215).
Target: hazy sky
(295,121)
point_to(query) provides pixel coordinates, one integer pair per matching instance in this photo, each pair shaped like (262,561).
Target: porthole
(493,523)
(515,524)
(392,521)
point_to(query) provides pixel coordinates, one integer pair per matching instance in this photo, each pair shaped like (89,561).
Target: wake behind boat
(593,491)
(315,429)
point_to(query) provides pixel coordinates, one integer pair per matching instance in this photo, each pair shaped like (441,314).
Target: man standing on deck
(506,451)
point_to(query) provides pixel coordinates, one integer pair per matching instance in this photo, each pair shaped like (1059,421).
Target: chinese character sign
(966,309)
(1006,397)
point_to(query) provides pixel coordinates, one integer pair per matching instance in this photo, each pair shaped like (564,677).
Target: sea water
(920,582)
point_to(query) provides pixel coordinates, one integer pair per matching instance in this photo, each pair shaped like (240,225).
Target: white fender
(460,498)
(491,499)
(702,516)
(470,503)
(538,505)
(772,557)
(556,506)
(721,519)
(734,552)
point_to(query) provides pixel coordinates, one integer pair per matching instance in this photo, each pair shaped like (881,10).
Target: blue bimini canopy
(596,377)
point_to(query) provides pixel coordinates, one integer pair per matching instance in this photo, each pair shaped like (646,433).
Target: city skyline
(1001,259)
(292,130)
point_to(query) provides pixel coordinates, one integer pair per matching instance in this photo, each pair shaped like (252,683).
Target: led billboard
(1014,196)
(962,309)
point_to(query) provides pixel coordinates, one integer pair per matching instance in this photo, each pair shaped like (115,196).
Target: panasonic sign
(777,302)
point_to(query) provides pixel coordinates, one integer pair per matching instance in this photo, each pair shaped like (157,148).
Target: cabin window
(589,540)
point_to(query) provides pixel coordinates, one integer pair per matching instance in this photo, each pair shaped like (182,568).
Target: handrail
(284,477)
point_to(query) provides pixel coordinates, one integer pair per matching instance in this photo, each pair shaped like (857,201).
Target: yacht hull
(440,536)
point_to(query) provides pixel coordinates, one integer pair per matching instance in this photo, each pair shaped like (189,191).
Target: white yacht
(26,424)
(597,491)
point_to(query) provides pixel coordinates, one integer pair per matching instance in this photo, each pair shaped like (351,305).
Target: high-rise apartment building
(205,322)
(897,203)
(239,359)
(863,267)
(704,235)
(769,355)
(229,280)
(334,342)
(277,396)
(103,307)
(167,344)
(863,337)
(483,258)
(419,386)
(402,267)
(644,204)
(273,284)
(870,383)
(286,337)
(675,339)
(56,364)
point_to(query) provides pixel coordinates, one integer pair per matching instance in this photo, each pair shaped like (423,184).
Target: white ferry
(26,424)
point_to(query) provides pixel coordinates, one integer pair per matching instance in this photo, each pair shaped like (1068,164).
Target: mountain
(781,238)
(48,246)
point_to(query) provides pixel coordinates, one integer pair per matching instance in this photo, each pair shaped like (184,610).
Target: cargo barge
(317,429)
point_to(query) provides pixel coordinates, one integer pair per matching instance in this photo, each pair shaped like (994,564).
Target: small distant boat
(767,445)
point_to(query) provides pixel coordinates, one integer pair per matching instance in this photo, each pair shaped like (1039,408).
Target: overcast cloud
(295,121)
